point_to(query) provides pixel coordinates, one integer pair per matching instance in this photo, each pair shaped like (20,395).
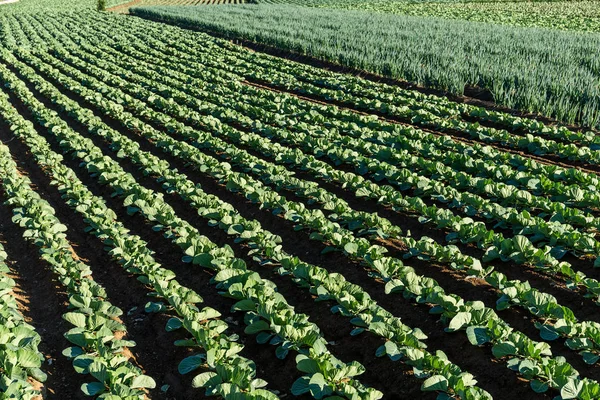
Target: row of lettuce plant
(249,118)
(273,313)
(382,94)
(521,344)
(221,351)
(508,248)
(352,300)
(20,358)
(98,346)
(13,33)
(284,75)
(551,172)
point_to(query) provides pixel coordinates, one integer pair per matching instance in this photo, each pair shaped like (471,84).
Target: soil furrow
(455,348)
(550,284)
(43,302)
(335,327)
(169,255)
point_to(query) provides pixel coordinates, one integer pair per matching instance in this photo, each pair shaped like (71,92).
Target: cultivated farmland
(182,216)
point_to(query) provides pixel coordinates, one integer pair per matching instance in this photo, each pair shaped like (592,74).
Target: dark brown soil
(123,290)
(279,374)
(323,309)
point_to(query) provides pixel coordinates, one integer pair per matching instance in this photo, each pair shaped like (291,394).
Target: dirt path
(124,8)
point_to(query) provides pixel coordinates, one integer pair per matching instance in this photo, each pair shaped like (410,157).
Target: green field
(184,217)
(549,72)
(583,16)
(577,15)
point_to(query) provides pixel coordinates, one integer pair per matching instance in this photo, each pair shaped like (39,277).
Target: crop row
(392,135)
(294,330)
(19,354)
(97,345)
(424,244)
(583,241)
(519,240)
(497,58)
(168,103)
(204,162)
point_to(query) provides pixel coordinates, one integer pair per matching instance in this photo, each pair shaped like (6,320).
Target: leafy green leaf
(301,386)
(75,318)
(143,381)
(538,386)
(201,379)
(190,364)
(435,383)
(92,389)
(459,321)
(173,324)
(477,335)
(257,326)
(351,248)
(590,358)
(503,349)
(571,389)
